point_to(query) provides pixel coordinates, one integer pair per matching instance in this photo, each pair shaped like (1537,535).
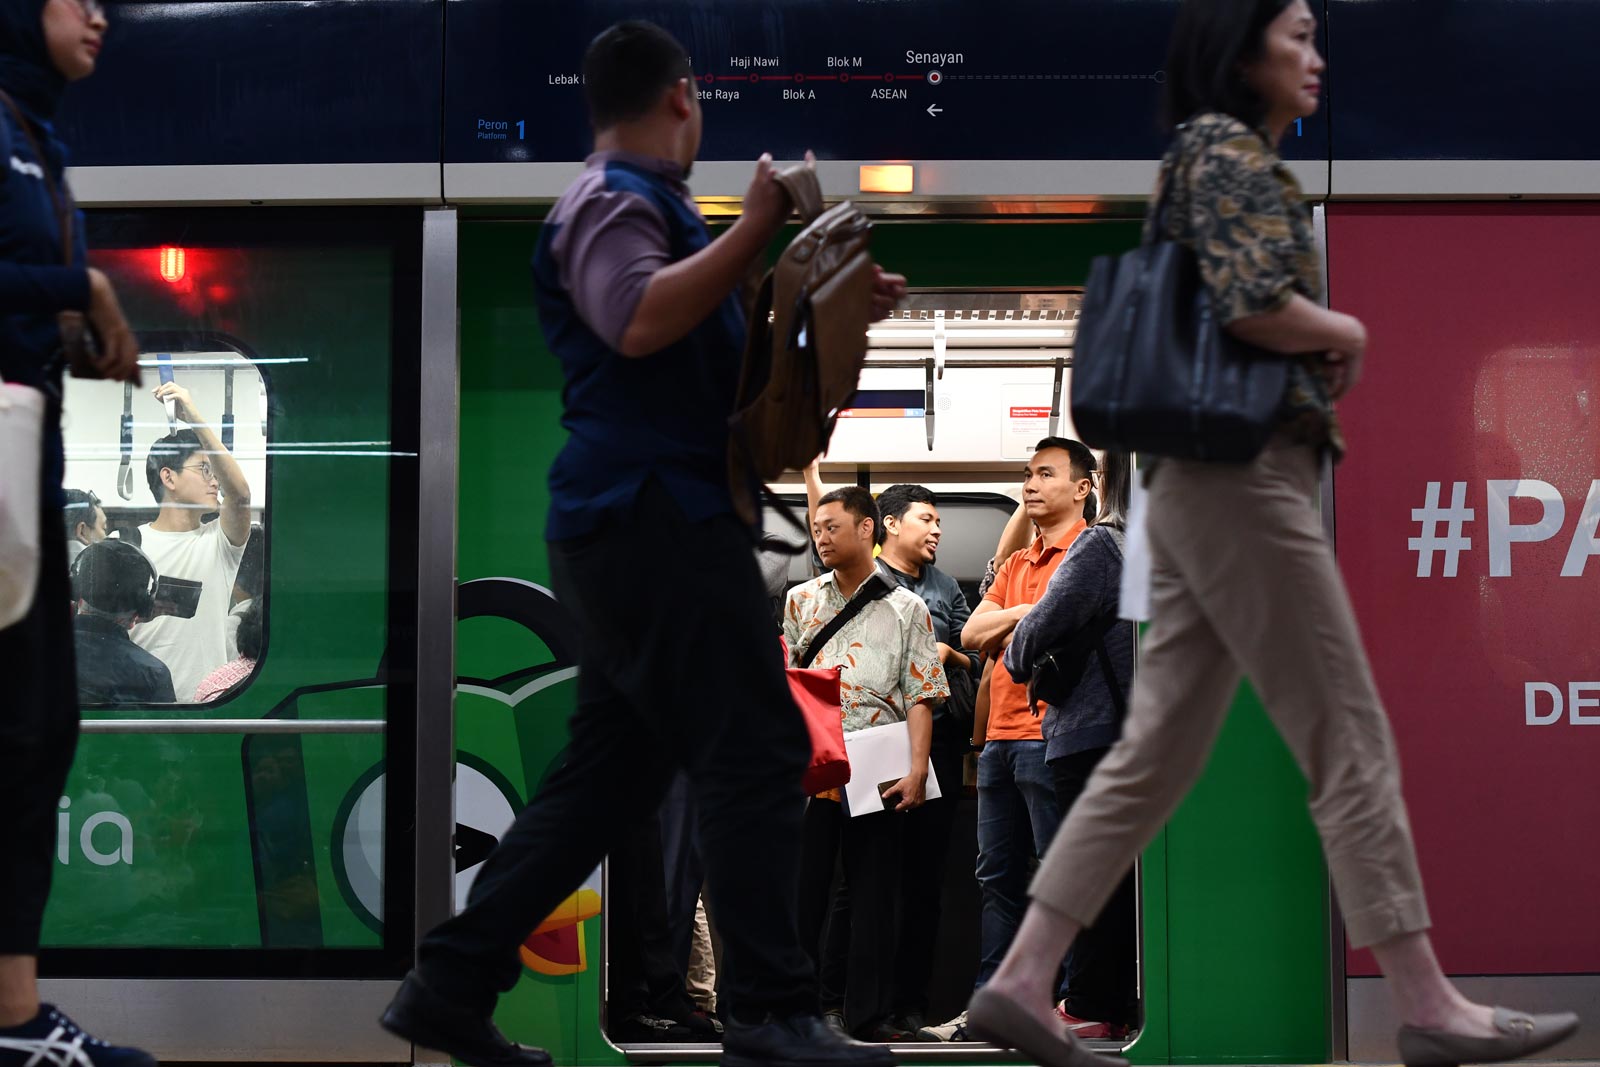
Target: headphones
(116,577)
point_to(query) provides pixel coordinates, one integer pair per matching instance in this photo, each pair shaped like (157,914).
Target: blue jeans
(1017,819)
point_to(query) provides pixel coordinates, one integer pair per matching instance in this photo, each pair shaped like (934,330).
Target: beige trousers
(1244,583)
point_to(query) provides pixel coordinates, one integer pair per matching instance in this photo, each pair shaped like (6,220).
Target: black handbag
(1059,670)
(1154,372)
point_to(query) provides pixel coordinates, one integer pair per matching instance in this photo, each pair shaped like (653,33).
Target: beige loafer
(1521,1034)
(1001,1021)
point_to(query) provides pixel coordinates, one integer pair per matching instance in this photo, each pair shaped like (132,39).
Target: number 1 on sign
(522,130)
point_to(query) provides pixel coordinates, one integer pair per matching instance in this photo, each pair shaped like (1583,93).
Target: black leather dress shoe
(646,1029)
(798,1041)
(424,1018)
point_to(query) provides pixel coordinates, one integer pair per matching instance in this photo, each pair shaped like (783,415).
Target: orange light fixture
(886,177)
(172,263)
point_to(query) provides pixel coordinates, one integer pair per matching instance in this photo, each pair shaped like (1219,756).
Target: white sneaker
(954,1030)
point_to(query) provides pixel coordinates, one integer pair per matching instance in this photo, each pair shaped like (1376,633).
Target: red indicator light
(172,264)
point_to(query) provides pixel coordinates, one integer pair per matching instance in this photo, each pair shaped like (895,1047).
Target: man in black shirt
(910,544)
(115,583)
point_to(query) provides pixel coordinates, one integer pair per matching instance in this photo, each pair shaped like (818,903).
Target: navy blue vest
(662,415)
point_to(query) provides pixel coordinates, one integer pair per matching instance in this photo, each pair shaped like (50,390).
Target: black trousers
(851,925)
(683,869)
(38,736)
(925,848)
(645,978)
(1102,967)
(676,671)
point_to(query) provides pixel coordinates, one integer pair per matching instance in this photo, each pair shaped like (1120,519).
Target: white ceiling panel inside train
(962,378)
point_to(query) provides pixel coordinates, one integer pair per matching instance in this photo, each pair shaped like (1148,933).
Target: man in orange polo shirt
(1017,813)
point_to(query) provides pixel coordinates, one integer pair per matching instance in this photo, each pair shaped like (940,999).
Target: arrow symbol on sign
(934,109)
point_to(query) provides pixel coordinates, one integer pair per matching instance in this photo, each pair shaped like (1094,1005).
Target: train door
(236,840)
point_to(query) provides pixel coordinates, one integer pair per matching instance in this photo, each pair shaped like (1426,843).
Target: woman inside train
(1245,583)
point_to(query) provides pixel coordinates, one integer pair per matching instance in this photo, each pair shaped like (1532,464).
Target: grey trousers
(1244,583)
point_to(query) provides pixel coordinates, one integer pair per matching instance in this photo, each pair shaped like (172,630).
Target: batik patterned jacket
(888,651)
(1239,208)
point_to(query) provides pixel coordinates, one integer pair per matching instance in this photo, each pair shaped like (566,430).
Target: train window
(190,839)
(167,500)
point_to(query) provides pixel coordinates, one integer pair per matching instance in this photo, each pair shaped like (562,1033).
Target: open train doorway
(959,387)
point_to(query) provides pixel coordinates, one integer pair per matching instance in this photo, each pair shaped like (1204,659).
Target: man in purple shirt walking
(641,307)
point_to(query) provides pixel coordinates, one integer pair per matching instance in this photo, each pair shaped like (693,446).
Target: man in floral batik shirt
(890,672)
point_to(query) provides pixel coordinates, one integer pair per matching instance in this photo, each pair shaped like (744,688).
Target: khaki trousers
(701,981)
(1244,583)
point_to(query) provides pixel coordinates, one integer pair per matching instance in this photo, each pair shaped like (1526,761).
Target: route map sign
(849,79)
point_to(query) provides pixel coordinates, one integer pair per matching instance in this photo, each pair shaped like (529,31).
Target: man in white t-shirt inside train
(192,475)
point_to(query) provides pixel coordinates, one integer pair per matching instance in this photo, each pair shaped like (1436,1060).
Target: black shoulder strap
(1119,699)
(877,591)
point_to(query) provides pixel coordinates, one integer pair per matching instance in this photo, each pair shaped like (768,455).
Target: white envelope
(880,754)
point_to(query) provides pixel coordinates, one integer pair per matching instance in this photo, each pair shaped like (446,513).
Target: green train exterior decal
(278,843)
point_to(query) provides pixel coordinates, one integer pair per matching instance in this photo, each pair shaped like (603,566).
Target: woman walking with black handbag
(1244,582)
(46,290)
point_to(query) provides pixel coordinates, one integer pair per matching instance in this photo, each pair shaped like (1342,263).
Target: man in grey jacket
(1082,596)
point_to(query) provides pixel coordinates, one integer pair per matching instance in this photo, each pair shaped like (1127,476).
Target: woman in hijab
(46,293)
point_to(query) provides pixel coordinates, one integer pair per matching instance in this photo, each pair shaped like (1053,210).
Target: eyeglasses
(92,9)
(203,468)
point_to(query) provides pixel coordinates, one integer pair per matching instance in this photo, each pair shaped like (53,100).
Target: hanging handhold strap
(227,409)
(164,363)
(125,471)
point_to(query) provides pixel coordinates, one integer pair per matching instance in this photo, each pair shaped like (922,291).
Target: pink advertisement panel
(1467,514)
